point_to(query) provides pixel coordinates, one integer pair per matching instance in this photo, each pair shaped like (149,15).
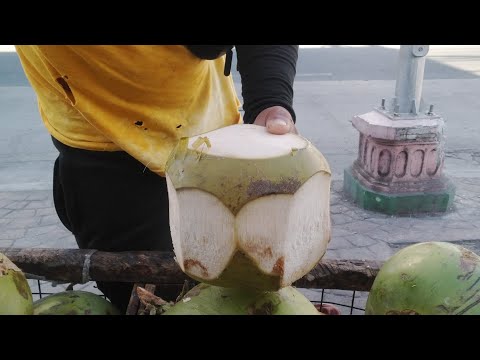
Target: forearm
(268,73)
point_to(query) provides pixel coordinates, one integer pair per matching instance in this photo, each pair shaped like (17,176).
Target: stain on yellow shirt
(137,98)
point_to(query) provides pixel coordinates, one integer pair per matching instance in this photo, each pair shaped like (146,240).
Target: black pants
(111,202)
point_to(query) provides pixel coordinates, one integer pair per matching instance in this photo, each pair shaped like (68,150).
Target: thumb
(279,121)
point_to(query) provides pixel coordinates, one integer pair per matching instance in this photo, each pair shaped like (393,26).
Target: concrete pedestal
(399,165)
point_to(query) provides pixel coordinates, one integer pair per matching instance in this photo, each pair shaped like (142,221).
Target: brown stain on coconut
(265,309)
(278,268)
(3,267)
(468,264)
(190,263)
(21,284)
(267,187)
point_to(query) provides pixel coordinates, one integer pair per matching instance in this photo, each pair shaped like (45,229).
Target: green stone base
(398,204)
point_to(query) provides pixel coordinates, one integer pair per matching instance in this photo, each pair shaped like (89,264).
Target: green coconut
(248,208)
(432,278)
(15,293)
(205,299)
(74,303)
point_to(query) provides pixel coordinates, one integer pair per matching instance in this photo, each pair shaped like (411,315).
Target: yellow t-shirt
(139,99)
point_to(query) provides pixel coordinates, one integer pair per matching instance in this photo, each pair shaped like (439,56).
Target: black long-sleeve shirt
(267,73)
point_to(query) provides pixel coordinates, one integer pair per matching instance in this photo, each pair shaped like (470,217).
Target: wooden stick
(341,274)
(134,302)
(73,265)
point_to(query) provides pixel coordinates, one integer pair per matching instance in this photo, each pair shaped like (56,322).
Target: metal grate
(43,288)
(347,303)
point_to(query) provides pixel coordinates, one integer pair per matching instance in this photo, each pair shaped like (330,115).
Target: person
(115,112)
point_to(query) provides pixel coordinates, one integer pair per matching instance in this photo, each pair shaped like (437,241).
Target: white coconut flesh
(246,142)
(284,234)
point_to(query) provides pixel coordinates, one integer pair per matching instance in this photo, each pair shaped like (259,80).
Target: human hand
(277,120)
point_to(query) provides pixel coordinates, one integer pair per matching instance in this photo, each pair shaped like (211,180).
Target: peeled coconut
(206,299)
(74,303)
(248,208)
(433,278)
(15,293)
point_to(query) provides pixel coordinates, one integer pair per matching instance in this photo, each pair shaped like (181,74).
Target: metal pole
(408,91)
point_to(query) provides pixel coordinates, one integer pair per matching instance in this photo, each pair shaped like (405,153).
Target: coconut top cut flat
(240,163)
(246,142)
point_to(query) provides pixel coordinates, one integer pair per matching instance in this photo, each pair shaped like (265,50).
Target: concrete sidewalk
(28,219)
